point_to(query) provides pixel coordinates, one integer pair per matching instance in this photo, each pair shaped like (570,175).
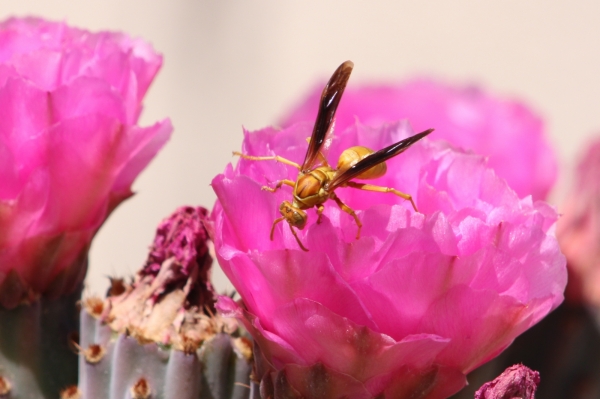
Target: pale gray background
(234,63)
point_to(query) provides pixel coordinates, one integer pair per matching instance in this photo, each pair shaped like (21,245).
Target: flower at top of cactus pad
(70,147)
(578,230)
(506,131)
(408,309)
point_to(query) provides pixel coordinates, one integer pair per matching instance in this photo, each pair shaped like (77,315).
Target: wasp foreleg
(348,210)
(379,189)
(278,185)
(269,158)
(293,232)
(273,226)
(297,239)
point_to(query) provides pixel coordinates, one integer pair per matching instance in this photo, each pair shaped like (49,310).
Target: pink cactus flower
(69,103)
(411,307)
(506,131)
(579,230)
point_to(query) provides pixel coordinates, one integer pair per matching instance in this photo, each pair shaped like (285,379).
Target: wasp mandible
(317,180)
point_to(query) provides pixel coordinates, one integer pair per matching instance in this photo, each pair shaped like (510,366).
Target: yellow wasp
(317,180)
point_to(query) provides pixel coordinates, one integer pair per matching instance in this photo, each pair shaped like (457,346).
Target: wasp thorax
(352,155)
(293,215)
(310,184)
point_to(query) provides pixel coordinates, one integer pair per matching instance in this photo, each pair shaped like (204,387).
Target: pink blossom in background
(70,147)
(412,306)
(579,230)
(506,131)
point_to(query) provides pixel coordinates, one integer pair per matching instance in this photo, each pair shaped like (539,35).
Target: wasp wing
(376,158)
(323,129)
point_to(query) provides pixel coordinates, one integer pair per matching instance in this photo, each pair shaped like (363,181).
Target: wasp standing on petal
(317,180)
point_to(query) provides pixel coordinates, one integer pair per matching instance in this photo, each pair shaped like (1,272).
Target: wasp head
(293,215)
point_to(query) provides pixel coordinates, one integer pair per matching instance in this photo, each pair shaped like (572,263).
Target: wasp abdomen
(352,155)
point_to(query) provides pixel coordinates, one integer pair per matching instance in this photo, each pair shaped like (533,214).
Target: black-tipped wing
(330,99)
(376,158)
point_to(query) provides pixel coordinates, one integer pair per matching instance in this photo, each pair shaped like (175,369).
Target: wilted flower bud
(159,336)
(171,299)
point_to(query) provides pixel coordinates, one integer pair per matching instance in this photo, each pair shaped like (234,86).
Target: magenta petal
(86,96)
(142,146)
(296,274)
(481,324)
(351,348)
(333,384)
(364,361)
(264,208)
(276,349)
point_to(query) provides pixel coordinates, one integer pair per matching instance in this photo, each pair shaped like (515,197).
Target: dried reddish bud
(181,236)
(181,244)
(516,382)
(171,301)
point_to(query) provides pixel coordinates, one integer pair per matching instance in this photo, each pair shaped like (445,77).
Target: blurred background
(230,64)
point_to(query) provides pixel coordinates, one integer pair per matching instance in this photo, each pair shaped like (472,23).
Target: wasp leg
(293,232)
(348,210)
(273,226)
(320,209)
(297,239)
(379,189)
(269,158)
(278,185)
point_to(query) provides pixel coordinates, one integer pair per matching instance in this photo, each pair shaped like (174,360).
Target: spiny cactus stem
(37,359)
